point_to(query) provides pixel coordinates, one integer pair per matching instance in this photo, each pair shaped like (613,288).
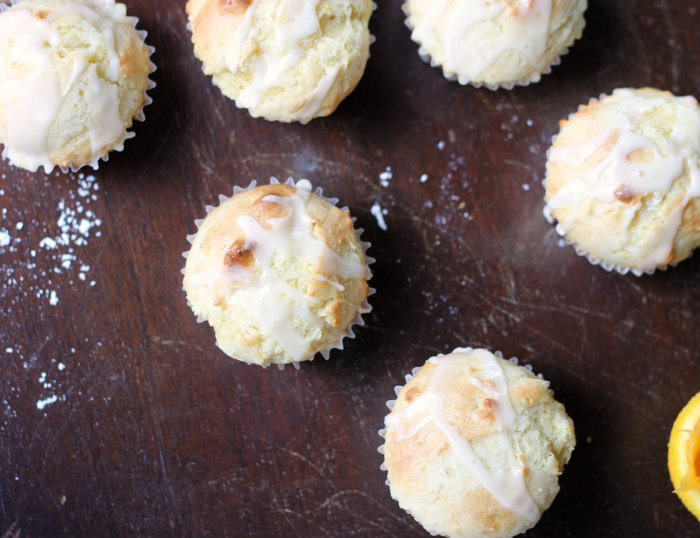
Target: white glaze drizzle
(293,234)
(273,302)
(509,487)
(33,98)
(316,98)
(222,276)
(616,173)
(336,285)
(79,65)
(31,103)
(296,20)
(232,56)
(470,49)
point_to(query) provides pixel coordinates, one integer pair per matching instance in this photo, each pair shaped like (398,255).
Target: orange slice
(684,455)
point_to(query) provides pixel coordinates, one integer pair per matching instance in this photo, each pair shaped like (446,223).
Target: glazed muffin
(474,445)
(283,60)
(74,76)
(623,179)
(279,273)
(498,43)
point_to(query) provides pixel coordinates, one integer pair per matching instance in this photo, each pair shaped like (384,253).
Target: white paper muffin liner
(453,77)
(616,267)
(139,116)
(559,228)
(364,308)
(408,377)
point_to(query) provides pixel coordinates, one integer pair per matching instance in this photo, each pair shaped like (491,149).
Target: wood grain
(154,432)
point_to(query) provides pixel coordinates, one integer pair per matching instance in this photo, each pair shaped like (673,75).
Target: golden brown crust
(238,254)
(209,18)
(235,6)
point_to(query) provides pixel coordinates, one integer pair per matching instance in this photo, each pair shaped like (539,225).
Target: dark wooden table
(119,416)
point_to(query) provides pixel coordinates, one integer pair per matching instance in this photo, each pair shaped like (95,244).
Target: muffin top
(74,74)
(623,178)
(502,42)
(284,60)
(278,272)
(475,445)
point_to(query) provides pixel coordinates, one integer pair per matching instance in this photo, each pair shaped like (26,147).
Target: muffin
(498,43)
(279,272)
(282,60)
(74,76)
(623,180)
(474,445)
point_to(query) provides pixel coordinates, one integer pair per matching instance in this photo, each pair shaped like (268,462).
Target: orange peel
(684,455)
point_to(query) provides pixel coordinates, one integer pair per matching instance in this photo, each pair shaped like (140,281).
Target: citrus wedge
(684,455)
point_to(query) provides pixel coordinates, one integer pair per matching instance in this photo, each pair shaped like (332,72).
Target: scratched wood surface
(118,415)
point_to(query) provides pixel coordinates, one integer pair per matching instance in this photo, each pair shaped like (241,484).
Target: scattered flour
(51,379)
(386,176)
(40,257)
(378,212)
(46,401)
(57,251)
(449,203)
(48,243)
(50,385)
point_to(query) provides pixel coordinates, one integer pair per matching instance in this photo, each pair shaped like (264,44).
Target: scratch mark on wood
(43,344)
(13,531)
